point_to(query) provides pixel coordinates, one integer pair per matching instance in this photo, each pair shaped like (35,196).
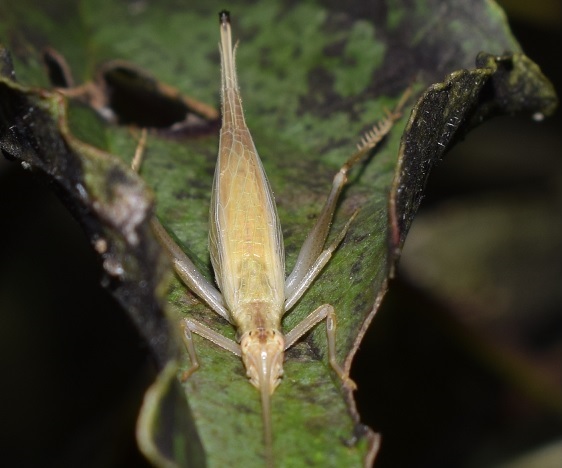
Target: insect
(247,252)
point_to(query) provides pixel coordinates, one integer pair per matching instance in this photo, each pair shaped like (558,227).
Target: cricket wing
(246,243)
(245,239)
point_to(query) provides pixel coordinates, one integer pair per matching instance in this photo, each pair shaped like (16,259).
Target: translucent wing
(245,239)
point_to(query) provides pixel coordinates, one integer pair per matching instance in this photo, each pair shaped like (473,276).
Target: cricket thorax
(262,353)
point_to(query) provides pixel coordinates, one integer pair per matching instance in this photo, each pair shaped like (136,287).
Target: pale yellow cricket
(247,253)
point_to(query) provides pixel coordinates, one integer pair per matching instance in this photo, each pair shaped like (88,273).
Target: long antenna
(266,418)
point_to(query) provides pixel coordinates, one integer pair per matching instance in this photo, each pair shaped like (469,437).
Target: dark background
(432,381)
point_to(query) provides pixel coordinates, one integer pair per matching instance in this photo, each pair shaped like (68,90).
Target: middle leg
(326,312)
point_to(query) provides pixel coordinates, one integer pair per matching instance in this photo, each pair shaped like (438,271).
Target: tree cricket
(247,251)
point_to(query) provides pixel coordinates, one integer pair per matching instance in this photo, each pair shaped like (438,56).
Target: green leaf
(314,76)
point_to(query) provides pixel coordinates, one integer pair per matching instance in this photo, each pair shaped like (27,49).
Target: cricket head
(262,353)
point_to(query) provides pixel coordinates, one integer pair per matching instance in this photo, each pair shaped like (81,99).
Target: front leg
(188,326)
(327,312)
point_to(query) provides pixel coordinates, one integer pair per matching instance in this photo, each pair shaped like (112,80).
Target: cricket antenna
(266,417)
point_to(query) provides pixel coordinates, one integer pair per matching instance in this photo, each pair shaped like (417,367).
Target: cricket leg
(188,272)
(188,326)
(300,288)
(314,243)
(183,265)
(139,152)
(327,312)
